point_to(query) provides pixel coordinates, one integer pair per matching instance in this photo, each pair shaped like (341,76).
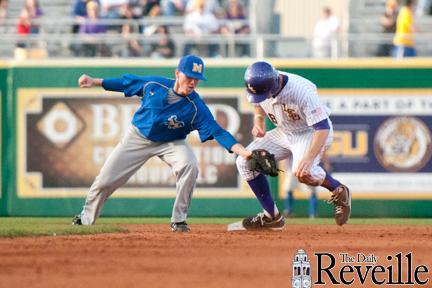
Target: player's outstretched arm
(86,81)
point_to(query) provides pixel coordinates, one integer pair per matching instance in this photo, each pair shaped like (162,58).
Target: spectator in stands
(111,8)
(235,12)
(404,37)
(3,10)
(210,6)
(151,8)
(79,12)
(388,23)
(23,29)
(26,47)
(35,12)
(198,23)
(165,47)
(34,8)
(90,26)
(173,7)
(325,34)
(135,49)
(24,23)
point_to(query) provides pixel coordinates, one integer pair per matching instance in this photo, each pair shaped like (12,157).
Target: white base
(236,226)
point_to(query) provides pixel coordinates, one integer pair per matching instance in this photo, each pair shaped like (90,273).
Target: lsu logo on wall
(346,143)
(403,144)
(197,68)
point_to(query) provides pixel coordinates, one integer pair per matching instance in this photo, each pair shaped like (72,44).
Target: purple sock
(260,187)
(330,183)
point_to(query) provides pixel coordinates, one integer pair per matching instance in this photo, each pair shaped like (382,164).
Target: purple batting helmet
(261,79)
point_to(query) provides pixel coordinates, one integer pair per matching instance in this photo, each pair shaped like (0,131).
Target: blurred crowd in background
(200,18)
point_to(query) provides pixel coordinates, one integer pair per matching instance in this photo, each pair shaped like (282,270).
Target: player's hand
(85,81)
(241,150)
(258,131)
(304,168)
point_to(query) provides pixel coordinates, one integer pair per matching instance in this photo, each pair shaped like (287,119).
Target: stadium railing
(55,40)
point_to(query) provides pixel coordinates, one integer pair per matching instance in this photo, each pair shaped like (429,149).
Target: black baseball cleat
(262,222)
(341,198)
(77,220)
(180,227)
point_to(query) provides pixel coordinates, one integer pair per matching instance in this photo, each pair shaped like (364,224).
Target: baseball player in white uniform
(303,131)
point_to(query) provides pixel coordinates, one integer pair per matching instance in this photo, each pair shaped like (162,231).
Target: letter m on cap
(197,68)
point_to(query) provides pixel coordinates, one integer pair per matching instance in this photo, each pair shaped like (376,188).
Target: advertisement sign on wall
(65,136)
(382,141)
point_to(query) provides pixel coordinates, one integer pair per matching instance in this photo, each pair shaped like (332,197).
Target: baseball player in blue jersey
(303,132)
(170,109)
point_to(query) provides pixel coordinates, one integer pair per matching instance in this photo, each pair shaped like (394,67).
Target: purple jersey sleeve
(322,125)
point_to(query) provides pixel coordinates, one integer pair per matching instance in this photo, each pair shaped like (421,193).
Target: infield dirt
(153,256)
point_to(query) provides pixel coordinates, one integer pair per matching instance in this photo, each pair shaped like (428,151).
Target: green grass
(18,227)
(30,226)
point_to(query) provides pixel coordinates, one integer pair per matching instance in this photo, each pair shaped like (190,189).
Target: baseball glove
(264,162)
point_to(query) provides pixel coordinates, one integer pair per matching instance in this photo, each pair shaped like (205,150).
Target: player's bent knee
(308,180)
(242,166)
(243,169)
(190,168)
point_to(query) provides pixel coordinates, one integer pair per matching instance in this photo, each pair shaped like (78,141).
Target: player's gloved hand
(264,162)
(85,81)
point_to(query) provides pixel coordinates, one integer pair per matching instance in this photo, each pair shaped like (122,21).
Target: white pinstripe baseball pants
(128,156)
(284,146)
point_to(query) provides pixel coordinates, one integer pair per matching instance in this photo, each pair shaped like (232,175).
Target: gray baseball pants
(127,157)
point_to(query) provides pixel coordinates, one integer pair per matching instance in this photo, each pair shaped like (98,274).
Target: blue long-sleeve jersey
(160,121)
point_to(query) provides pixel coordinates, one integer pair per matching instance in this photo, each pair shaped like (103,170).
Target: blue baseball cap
(192,66)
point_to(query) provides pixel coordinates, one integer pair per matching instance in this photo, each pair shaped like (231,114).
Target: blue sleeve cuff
(133,85)
(322,125)
(113,84)
(129,84)
(226,140)
(223,137)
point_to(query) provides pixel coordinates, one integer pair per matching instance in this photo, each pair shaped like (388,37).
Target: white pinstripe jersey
(297,106)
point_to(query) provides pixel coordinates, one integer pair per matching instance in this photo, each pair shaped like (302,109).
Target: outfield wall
(3,109)
(58,136)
